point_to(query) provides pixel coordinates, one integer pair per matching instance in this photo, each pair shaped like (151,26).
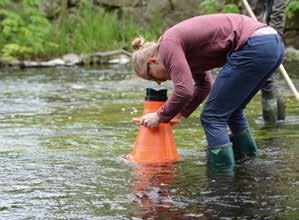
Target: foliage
(105,31)
(293,8)
(230,8)
(24,30)
(209,7)
(4,2)
(26,33)
(10,51)
(216,6)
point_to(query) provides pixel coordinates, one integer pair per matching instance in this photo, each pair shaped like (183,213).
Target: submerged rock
(51,8)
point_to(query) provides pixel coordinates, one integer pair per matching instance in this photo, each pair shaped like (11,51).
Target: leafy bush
(293,8)
(230,8)
(24,30)
(95,29)
(26,33)
(216,6)
(4,2)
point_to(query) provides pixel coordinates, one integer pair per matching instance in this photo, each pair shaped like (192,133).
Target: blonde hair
(144,50)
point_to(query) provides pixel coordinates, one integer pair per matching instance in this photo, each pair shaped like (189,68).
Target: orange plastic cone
(154,145)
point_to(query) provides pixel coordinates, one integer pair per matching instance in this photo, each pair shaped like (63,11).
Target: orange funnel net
(154,145)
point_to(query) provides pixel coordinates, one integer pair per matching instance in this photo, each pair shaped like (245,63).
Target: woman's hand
(150,120)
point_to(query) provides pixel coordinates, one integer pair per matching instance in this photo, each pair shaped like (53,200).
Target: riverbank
(121,57)
(92,59)
(41,30)
(83,29)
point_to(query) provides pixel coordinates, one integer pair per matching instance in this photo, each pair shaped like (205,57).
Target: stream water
(64,132)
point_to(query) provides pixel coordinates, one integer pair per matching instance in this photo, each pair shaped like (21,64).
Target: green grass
(86,30)
(25,33)
(96,30)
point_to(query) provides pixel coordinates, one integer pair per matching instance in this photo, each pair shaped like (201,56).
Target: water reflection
(152,189)
(160,195)
(62,130)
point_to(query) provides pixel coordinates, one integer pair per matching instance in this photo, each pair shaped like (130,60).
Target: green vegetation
(231,6)
(214,6)
(103,32)
(293,8)
(26,33)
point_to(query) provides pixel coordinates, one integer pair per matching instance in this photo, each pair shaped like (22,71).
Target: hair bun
(137,43)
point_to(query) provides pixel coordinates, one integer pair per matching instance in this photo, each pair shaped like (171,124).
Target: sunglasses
(148,74)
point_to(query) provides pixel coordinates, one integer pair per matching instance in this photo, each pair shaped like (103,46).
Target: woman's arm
(202,87)
(173,58)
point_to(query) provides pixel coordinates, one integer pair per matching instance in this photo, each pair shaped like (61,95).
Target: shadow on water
(64,131)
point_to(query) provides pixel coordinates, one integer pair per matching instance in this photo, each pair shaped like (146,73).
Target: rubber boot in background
(281,106)
(269,106)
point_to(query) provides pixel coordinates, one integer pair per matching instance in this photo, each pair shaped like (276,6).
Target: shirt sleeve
(202,87)
(173,58)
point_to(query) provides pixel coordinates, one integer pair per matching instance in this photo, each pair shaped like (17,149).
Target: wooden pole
(281,67)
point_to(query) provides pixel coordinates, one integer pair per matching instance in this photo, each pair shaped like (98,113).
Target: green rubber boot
(221,158)
(281,107)
(244,146)
(269,106)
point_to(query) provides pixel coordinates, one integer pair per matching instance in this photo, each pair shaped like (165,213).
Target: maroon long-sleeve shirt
(191,48)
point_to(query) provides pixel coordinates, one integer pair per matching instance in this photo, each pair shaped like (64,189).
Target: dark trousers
(269,90)
(244,74)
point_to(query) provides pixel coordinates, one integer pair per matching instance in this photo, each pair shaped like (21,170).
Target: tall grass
(96,30)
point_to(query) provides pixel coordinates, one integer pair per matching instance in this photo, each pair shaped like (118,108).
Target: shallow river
(64,132)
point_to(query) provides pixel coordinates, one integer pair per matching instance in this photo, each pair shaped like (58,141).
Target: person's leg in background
(271,12)
(269,102)
(238,81)
(273,102)
(276,19)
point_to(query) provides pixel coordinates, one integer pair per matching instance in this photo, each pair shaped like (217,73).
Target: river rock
(51,8)
(72,3)
(119,3)
(50,63)
(291,38)
(155,7)
(112,57)
(187,7)
(122,59)
(54,62)
(72,59)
